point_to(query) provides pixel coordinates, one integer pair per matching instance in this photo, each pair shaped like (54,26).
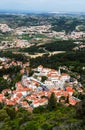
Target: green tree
(46,126)
(43,78)
(11,112)
(67,99)
(80,109)
(52,105)
(6,94)
(32,126)
(39,109)
(1,105)
(3,84)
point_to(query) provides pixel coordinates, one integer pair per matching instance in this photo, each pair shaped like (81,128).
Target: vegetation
(50,47)
(32,50)
(43,78)
(41,118)
(82,28)
(80,109)
(4,84)
(26,37)
(69,59)
(16,57)
(59,46)
(52,102)
(66,23)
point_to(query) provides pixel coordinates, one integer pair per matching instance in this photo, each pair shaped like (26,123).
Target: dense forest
(65,45)
(69,59)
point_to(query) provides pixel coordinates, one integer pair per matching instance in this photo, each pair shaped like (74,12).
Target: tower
(59,72)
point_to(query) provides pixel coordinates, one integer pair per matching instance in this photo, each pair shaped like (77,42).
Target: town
(24,37)
(34,91)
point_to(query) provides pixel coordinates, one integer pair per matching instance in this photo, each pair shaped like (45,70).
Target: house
(70,90)
(5,77)
(49,84)
(1,67)
(40,68)
(9,102)
(43,101)
(19,86)
(73,100)
(80,90)
(1,97)
(29,109)
(24,104)
(65,77)
(35,104)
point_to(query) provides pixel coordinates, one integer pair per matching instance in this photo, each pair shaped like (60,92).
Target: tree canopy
(52,102)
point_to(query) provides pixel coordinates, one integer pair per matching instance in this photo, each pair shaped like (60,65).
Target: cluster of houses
(5,28)
(6,63)
(48,32)
(32,92)
(44,32)
(16,43)
(33,29)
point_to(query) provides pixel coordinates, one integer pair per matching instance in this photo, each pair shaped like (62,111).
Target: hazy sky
(44,5)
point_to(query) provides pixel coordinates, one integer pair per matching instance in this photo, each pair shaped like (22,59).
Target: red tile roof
(69,89)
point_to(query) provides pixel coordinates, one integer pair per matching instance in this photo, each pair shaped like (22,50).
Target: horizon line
(10,11)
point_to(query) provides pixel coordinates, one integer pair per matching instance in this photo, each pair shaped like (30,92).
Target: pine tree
(52,105)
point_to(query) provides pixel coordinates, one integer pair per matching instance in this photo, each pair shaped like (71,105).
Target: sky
(44,5)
